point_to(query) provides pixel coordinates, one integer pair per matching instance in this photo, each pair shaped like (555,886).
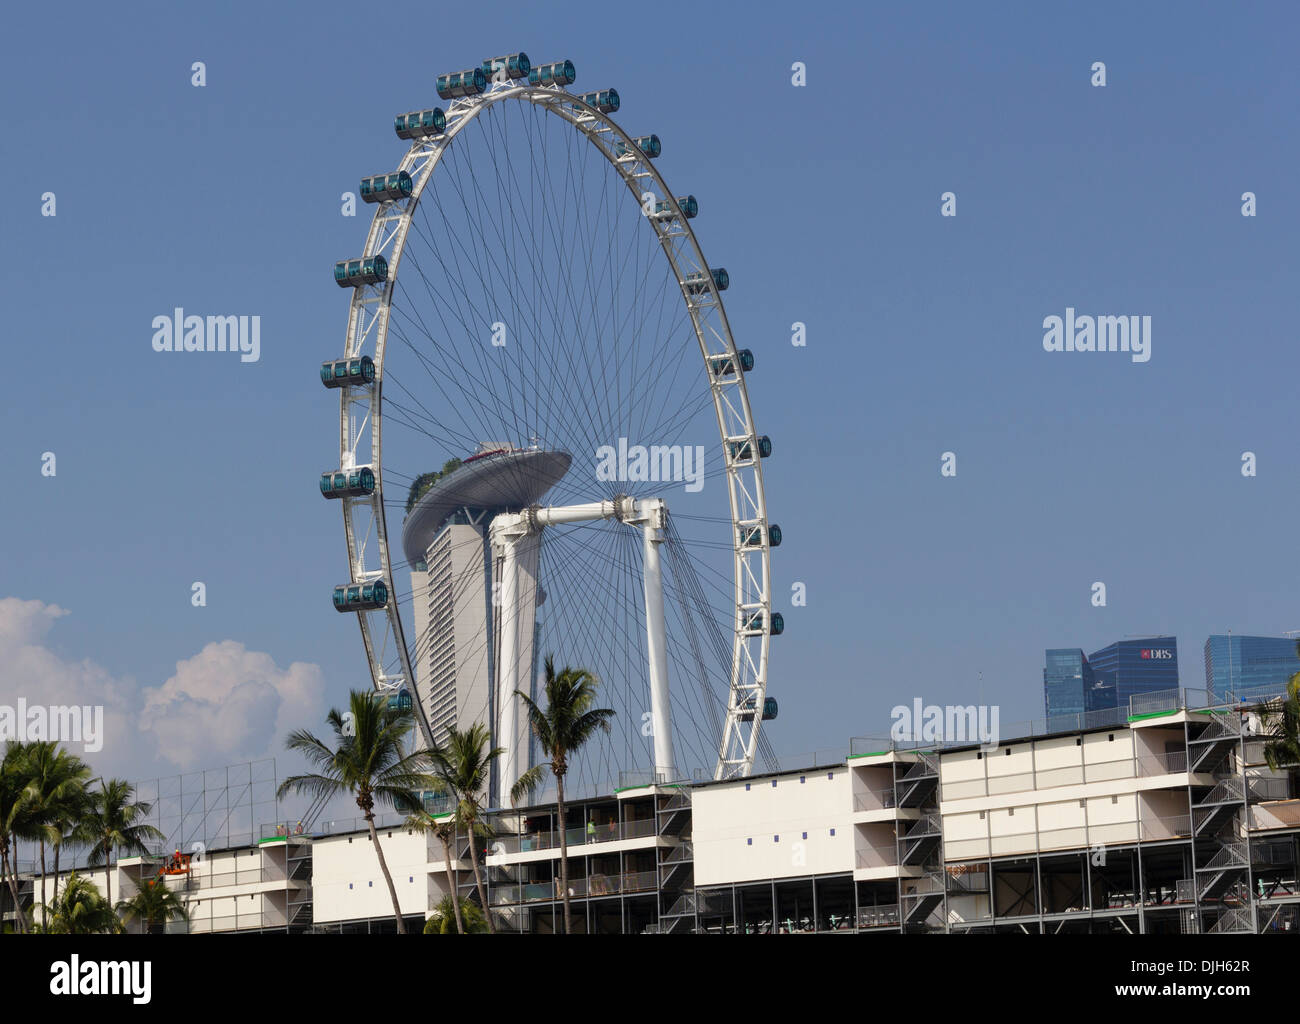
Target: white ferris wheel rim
(368,319)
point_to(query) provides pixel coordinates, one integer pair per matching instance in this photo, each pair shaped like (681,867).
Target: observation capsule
(769,711)
(359,272)
(514,65)
(604,100)
(752,536)
(339,373)
(352,483)
(462,83)
(648,144)
(376,189)
(401,701)
(742,452)
(665,210)
(719,278)
(420,124)
(723,363)
(361,597)
(754,624)
(559,73)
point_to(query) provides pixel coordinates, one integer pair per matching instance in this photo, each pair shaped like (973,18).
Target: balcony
(872,858)
(577,837)
(874,801)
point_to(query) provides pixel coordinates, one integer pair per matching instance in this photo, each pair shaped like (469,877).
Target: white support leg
(515,539)
(657,646)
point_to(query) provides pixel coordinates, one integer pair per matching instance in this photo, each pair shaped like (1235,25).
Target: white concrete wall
(726,817)
(347,883)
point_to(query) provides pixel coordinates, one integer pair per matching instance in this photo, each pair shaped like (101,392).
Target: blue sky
(924,332)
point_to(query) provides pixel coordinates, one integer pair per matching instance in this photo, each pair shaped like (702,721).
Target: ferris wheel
(540,385)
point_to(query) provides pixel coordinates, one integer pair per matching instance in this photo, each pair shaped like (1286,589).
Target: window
(749,842)
(830,775)
(1011,812)
(1008,751)
(805,835)
(776,839)
(982,815)
(1110,738)
(746,787)
(802,779)
(832,832)
(979,755)
(1078,741)
(774,783)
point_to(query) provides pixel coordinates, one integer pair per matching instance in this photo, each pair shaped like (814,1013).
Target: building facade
(1166,820)
(1240,664)
(1145,665)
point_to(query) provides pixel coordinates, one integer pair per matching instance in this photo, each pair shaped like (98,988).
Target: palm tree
(568,722)
(1283,750)
(463,766)
(445,830)
(68,815)
(112,821)
(81,910)
(154,904)
(367,762)
(12,809)
(56,783)
(440,921)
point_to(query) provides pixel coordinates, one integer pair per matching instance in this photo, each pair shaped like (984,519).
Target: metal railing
(878,917)
(874,801)
(1140,766)
(874,858)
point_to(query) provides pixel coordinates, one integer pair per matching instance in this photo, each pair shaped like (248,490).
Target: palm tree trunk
(43,922)
(383,866)
(58,848)
(13,867)
(564,853)
(11,879)
(451,882)
(478,881)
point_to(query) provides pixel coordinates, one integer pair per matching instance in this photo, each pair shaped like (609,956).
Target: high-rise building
(1067,679)
(1237,664)
(1073,686)
(453,653)
(1144,665)
(477,598)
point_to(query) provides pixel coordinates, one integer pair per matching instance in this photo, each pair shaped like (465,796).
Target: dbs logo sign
(1158,654)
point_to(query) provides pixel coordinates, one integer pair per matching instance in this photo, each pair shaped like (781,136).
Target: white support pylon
(657,642)
(515,542)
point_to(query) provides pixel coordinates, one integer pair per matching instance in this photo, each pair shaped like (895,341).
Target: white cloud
(229,703)
(223,705)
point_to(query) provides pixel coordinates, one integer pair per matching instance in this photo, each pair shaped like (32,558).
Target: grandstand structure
(1162,817)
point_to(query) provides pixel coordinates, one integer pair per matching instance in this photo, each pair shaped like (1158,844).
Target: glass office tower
(1237,664)
(1138,666)
(1067,678)
(1072,685)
